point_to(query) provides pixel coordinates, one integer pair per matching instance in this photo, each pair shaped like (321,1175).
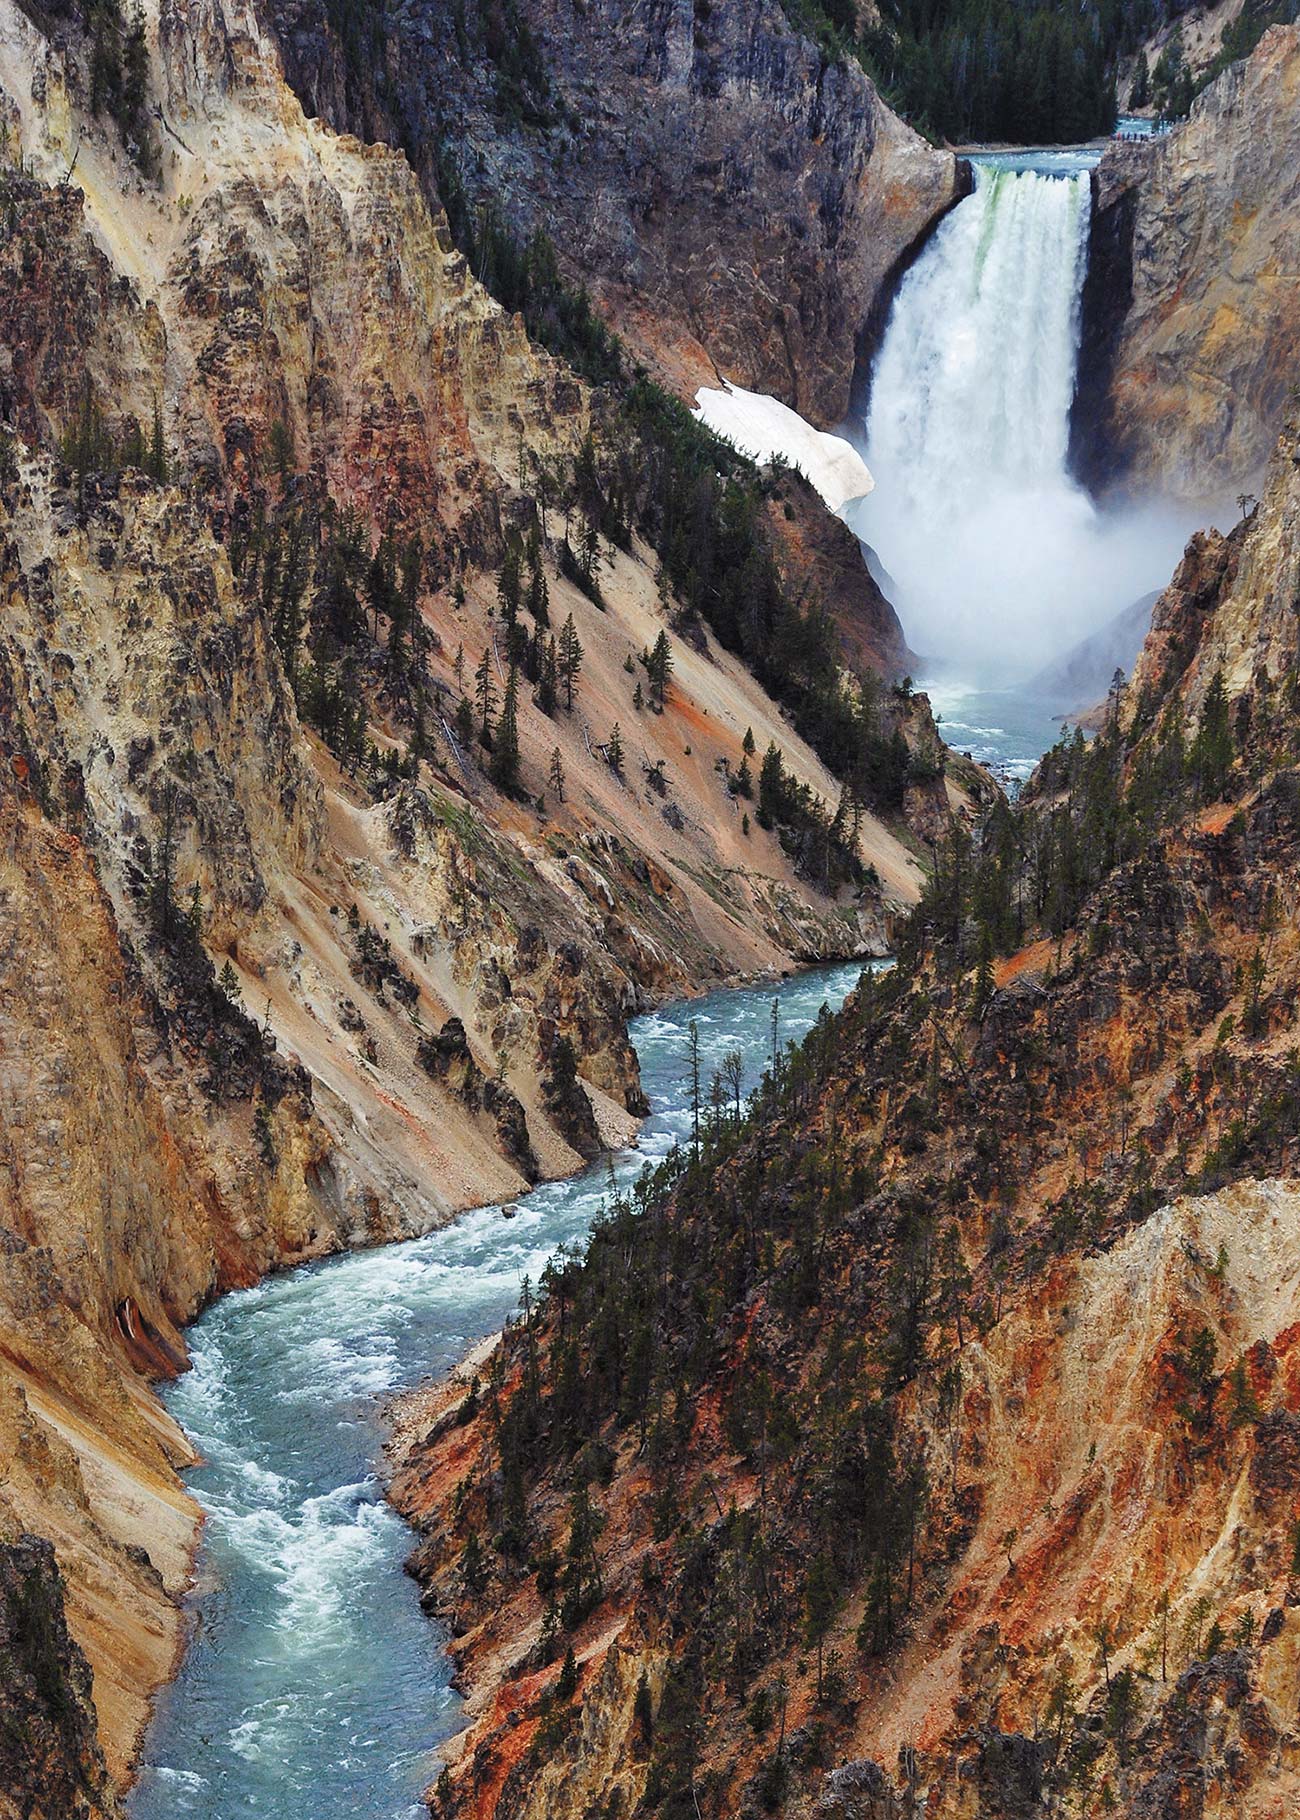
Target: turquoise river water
(314,1687)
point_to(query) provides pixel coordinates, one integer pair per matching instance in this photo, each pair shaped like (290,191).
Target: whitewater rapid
(993,555)
(314,1687)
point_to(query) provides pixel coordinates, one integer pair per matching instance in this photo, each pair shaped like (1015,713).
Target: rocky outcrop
(152,690)
(284,297)
(51,1766)
(449,1059)
(1192,309)
(818,552)
(734,201)
(1230,609)
(68,321)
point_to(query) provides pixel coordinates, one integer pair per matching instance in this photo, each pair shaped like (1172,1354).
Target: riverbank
(314,1678)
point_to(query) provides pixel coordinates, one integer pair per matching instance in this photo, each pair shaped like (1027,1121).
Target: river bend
(314,1687)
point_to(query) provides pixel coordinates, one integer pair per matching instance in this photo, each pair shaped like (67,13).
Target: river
(314,1687)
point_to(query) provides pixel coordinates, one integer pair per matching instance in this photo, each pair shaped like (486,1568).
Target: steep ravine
(260,1003)
(932,1440)
(316,1687)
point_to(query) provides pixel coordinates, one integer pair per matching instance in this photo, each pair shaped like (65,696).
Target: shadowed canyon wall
(735,201)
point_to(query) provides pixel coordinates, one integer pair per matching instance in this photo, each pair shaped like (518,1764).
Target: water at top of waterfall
(995,558)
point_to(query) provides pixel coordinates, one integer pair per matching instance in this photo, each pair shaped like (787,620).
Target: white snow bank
(763,427)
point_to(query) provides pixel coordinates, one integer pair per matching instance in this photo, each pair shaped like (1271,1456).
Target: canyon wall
(735,201)
(950,1463)
(262,999)
(1192,302)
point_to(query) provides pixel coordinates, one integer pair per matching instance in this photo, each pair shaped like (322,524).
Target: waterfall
(995,558)
(976,375)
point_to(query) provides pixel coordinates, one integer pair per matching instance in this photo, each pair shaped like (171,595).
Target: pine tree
(505,751)
(134,99)
(404,625)
(821,1595)
(693,1034)
(1211,755)
(485,696)
(464,721)
(659,667)
(156,464)
(570,654)
(509,585)
(771,787)
(473,1565)
(589,558)
(582,1580)
(556,775)
(614,750)
(548,685)
(539,596)
(280,453)
(566,1684)
(385,599)
(284,589)
(1141,91)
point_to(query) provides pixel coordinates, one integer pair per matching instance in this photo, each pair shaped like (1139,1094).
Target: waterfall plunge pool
(314,1688)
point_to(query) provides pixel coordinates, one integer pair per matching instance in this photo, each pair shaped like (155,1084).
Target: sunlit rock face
(1193,311)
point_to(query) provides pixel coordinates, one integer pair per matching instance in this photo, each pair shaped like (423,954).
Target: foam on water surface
(315,1688)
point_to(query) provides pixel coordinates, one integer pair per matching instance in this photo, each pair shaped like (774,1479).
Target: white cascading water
(996,559)
(975,379)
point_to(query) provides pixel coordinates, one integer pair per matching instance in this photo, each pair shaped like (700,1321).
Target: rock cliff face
(978,1490)
(735,202)
(50,1761)
(1192,309)
(280,279)
(1231,607)
(259,1003)
(818,551)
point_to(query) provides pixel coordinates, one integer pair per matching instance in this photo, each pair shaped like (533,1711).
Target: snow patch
(763,427)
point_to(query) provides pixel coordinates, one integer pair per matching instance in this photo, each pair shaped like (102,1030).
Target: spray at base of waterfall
(998,559)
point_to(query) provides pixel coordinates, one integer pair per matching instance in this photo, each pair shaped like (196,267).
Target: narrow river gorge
(314,1688)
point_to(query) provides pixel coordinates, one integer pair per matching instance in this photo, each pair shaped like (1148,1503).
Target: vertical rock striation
(1192,306)
(734,200)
